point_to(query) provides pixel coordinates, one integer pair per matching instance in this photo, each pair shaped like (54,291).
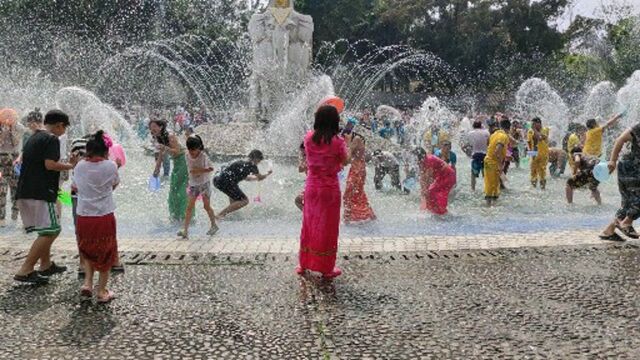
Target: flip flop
(107,299)
(86,292)
(628,231)
(612,237)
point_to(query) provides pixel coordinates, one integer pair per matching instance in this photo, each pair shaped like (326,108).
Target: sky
(591,8)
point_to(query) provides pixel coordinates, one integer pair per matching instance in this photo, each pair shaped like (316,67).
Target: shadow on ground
(561,303)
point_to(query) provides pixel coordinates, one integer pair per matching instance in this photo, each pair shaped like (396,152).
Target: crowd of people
(33,160)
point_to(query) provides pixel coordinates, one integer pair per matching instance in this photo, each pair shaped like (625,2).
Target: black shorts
(230,189)
(583,180)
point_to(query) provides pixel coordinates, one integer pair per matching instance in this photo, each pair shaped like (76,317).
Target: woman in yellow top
(494,162)
(538,142)
(593,142)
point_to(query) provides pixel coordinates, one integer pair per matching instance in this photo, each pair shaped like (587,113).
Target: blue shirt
(453,158)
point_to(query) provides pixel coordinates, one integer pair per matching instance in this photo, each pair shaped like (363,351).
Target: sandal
(86,292)
(628,231)
(33,277)
(333,274)
(612,237)
(106,299)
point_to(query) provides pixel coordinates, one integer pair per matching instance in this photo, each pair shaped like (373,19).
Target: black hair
(96,145)
(55,117)
(592,124)
(163,138)
(477,124)
(256,155)
(326,125)
(35,116)
(505,124)
(536,120)
(194,142)
(576,149)
(302,146)
(420,153)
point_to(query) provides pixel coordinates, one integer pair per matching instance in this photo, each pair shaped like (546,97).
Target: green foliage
(491,44)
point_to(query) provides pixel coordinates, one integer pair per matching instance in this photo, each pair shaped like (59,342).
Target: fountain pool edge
(283,245)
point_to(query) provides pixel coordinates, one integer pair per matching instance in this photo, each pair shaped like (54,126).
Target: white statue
(282,51)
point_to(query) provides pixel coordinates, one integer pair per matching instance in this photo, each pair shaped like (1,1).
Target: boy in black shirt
(37,195)
(228,179)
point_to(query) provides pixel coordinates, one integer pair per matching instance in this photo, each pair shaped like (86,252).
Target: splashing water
(89,114)
(536,98)
(629,99)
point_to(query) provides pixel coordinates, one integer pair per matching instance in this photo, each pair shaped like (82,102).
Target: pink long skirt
(320,228)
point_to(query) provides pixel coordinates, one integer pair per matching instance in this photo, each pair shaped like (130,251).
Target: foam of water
(90,114)
(521,208)
(629,99)
(536,98)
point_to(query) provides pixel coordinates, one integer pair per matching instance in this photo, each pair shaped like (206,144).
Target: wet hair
(35,117)
(477,124)
(194,142)
(576,149)
(592,124)
(256,155)
(96,146)
(505,124)
(420,153)
(326,125)
(536,120)
(55,117)
(163,138)
(580,128)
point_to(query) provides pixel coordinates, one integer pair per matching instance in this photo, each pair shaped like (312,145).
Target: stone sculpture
(282,52)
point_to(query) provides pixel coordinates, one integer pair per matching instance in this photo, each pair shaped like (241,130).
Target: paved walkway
(349,245)
(550,303)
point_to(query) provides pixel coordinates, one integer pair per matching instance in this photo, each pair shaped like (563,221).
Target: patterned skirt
(629,186)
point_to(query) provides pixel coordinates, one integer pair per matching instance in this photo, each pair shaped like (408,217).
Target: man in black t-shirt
(37,195)
(227,181)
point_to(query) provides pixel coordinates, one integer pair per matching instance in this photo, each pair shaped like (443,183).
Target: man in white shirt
(479,140)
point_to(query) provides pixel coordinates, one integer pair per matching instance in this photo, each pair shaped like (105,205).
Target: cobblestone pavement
(554,302)
(347,245)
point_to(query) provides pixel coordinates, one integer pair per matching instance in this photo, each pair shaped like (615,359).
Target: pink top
(438,167)
(324,161)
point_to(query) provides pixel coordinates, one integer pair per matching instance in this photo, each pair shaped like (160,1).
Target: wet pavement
(561,302)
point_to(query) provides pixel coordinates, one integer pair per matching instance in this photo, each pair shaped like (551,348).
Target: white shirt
(201,162)
(479,140)
(95,182)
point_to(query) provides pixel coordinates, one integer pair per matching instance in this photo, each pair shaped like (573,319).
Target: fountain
(249,80)
(628,97)
(536,98)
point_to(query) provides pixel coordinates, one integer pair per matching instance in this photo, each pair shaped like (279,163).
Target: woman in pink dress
(356,203)
(437,179)
(326,154)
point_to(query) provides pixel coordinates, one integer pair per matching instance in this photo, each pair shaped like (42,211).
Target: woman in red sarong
(356,203)
(326,154)
(437,179)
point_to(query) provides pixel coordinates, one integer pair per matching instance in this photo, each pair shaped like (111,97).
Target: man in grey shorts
(37,195)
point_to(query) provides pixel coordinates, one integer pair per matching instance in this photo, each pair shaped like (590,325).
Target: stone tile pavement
(347,245)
